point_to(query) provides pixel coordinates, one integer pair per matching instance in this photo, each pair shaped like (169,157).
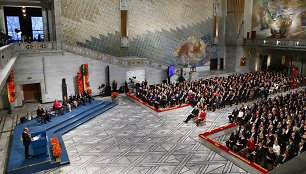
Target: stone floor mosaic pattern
(130,140)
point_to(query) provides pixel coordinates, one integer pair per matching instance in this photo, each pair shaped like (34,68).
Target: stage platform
(59,125)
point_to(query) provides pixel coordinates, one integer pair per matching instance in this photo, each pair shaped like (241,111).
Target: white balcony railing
(276,43)
(23,46)
(120,61)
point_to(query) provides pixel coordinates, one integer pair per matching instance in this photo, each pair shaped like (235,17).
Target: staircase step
(58,133)
(58,126)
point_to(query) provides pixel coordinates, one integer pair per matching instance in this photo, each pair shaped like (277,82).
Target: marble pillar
(58,24)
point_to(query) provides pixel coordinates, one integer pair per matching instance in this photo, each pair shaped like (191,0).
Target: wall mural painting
(279,19)
(195,52)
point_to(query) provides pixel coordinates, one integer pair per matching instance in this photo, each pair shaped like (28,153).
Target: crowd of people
(216,92)
(65,106)
(271,131)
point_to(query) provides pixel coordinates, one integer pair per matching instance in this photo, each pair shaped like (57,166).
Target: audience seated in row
(66,105)
(216,92)
(271,131)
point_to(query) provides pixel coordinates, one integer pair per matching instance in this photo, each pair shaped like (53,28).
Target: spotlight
(24,11)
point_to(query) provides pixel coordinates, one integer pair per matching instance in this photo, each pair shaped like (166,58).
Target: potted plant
(115,96)
(56,148)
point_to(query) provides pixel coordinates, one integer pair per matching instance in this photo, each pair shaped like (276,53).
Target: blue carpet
(58,126)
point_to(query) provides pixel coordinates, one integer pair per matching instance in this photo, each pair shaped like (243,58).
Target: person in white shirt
(240,116)
(276,148)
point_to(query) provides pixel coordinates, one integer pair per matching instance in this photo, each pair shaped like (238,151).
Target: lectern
(39,143)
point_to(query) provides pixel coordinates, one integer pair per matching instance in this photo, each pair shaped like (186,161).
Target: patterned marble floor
(130,140)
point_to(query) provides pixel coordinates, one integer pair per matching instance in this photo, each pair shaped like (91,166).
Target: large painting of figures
(195,52)
(279,19)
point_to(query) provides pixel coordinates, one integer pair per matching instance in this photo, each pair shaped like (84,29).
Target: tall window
(12,23)
(37,28)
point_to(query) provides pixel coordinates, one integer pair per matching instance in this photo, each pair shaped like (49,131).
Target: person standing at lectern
(26,138)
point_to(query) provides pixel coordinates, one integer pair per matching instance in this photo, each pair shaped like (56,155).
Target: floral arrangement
(56,147)
(11,88)
(79,78)
(85,73)
(89,91)
(115,94)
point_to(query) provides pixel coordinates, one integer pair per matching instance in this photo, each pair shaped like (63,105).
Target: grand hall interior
(152,86)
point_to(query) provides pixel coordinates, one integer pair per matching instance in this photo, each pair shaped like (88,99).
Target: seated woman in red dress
(201,118)
(58,106)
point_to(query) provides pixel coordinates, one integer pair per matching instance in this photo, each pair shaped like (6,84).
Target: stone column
(248,9)
(51,24)
(45,23)
(58,24)
(2,20)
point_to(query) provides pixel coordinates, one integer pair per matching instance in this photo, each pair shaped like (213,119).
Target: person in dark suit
(26,138)
(88,96)
(194,113)
(43,114)
(258,154)
(232,117)
(126,87)
(232,140)
(80,99)
(114,84)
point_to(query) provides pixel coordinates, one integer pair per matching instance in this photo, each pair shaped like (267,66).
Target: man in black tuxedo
(88,96)
(194,113)
(43,114)
(26,138)
(80,99)
(114,84)
(232,140)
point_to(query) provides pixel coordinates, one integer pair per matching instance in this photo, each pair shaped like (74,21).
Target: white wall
(234,54)
(49,70)
(140,75)
(155,76)
(29,69)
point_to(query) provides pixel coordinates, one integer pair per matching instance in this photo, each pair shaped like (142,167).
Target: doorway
(221,63)
(213,64)
(264,64)
(31,92)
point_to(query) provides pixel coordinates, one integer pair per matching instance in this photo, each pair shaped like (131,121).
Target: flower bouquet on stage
(56,148)
(115,97)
